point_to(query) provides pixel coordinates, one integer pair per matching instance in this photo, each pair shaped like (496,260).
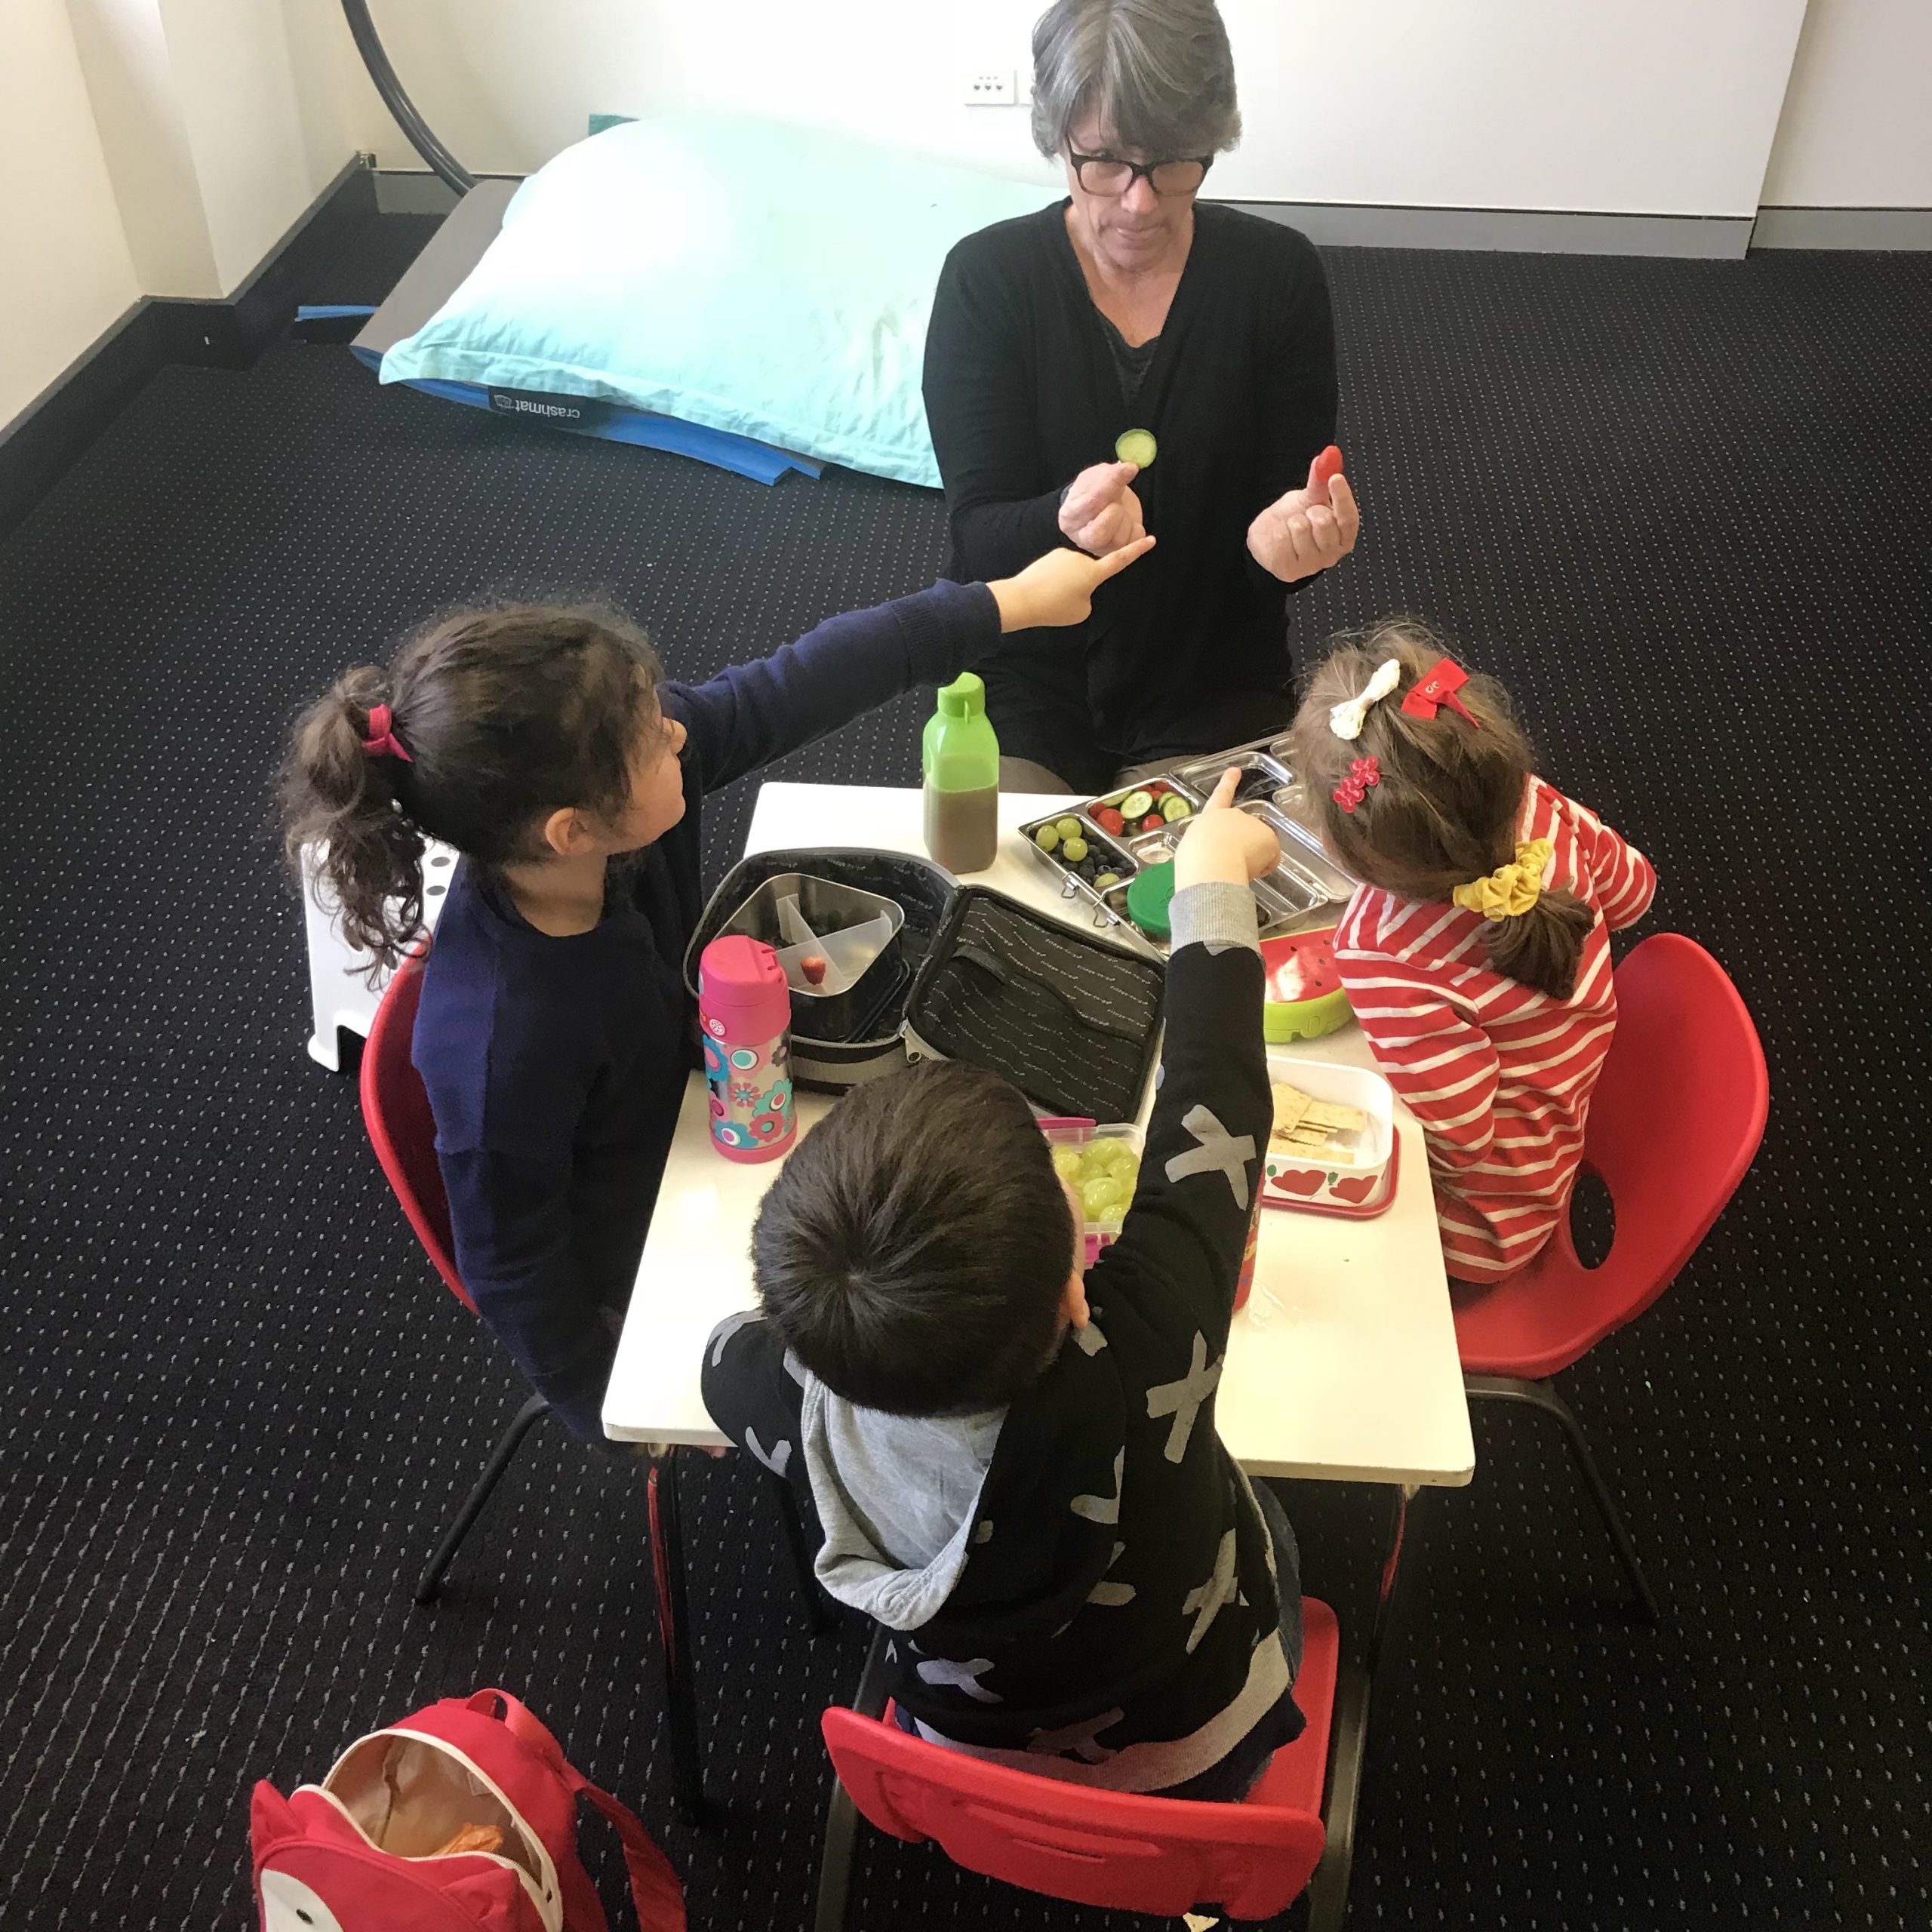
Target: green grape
(1096,1198)
(1073,849)
(1067,1163)
(1047,837)
(1067,828)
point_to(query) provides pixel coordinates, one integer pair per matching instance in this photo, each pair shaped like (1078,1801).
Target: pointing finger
(1223,797)
(1117,561)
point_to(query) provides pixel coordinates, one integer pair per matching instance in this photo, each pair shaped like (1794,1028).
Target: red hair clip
(382,741)
(1362,773)
(1444,679)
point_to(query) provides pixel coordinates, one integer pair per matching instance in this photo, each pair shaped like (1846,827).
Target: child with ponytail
(554,1034)
(1476,950)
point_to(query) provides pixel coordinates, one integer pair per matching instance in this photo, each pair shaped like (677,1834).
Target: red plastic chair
(395,1108)
(1675,1121)
(1164,1855)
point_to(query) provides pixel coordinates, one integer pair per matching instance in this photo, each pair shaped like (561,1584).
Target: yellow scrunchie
(1512,890)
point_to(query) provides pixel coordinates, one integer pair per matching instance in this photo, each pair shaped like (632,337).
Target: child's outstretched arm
(1187,1229)
(748,716)
(1626,881)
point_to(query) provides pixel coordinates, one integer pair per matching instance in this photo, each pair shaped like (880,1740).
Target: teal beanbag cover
(767,281)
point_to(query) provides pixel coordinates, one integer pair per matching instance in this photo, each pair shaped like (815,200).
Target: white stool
(340,994)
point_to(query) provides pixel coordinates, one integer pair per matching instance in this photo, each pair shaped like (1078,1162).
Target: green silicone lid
(964,697)
(1148,896)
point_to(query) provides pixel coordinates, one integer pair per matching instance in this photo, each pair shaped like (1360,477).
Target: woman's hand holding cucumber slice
(1101,513)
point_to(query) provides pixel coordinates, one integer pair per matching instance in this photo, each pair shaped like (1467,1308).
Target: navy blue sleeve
(511,1219)
(746,717)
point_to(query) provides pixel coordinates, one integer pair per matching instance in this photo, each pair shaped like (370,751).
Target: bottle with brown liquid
(961,764)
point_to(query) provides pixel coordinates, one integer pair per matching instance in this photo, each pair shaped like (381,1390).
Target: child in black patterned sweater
(1015,1464)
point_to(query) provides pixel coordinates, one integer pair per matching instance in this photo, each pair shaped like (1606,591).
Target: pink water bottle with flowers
(744,1011)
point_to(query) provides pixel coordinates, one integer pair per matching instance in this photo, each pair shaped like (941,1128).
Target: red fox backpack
(460,1819)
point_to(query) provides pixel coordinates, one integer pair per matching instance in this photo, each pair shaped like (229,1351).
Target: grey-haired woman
(1130,306)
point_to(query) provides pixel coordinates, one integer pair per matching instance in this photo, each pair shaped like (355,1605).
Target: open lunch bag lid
(1071,1019)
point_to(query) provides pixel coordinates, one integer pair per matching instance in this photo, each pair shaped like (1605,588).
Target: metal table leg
(667,1564)
(1355,1682)
(841,1817)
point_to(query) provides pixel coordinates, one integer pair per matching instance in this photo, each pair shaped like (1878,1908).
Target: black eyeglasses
(1107,174)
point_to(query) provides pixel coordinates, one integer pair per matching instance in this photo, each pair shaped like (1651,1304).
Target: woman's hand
(1224,844)
(1058,588)
(1305,531)
(1101,514)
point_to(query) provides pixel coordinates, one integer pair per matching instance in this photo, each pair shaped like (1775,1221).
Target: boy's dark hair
(913,1252)
(1449,802)
(506,715)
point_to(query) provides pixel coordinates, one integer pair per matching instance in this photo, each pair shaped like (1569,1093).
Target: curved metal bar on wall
(368,44)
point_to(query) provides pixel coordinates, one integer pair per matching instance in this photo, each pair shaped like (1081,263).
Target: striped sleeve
(1625,881)
(1443,1066)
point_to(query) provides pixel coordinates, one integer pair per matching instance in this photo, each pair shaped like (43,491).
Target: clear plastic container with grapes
(1102,1164)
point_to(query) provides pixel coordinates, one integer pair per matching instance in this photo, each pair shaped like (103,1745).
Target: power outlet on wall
(990,86)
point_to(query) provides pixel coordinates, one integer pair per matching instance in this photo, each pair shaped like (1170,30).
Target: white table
(1343,1365)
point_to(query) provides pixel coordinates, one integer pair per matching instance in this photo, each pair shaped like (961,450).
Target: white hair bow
(1347,720)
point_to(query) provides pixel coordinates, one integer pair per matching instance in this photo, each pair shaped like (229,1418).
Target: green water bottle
(961,764)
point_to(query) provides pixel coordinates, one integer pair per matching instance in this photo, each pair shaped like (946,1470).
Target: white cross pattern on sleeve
(1183,1399)
(1111,1596)
(1081,1739)
(962,1677)
(776,1460)
(1104,1509)
(729,1326)
(1218,1151)
(1205,1605)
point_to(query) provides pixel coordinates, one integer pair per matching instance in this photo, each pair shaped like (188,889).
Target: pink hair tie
(382,741)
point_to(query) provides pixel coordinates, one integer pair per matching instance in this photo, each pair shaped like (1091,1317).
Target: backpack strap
(655,1890)
(520,1721)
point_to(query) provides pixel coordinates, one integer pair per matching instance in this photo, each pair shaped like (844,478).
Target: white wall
(1658,107)
(1857,126)
(214,147)
(68,273)
(238,95)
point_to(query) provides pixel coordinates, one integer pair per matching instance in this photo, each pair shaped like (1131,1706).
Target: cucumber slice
(1137,804)
(1173,807)
(1135,446)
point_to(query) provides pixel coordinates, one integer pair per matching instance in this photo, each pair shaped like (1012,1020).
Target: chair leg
(1541,1395)
(841,1817)
(818,1618)
(526,1418)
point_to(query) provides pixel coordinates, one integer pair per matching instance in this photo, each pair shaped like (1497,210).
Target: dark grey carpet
(1682,508)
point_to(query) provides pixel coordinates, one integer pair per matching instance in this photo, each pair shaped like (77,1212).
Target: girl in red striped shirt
(1476,952)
